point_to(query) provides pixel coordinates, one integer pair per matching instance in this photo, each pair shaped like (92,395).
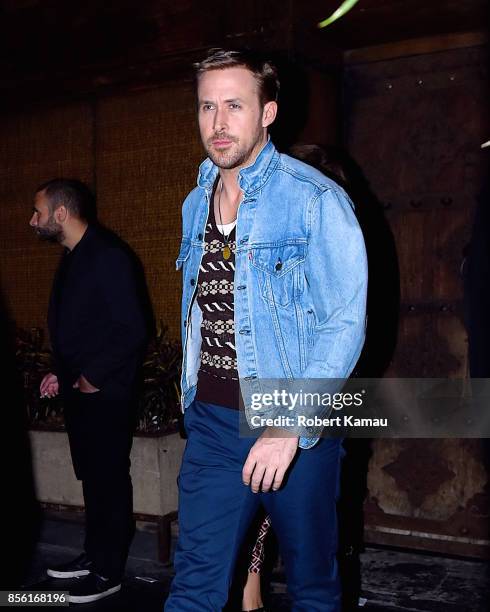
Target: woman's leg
(252,596)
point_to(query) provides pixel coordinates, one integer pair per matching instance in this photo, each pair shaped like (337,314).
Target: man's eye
(234,106)
(207,107)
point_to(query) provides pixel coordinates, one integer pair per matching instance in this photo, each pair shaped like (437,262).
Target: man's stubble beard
(51,232)
(228,161)
(233,159)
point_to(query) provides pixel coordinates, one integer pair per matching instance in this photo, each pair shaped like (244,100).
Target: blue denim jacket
(300,275)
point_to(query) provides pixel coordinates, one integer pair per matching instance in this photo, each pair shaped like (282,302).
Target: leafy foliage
(159,401)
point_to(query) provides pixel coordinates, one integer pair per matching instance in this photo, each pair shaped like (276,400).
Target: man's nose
(33,220)
(220,120)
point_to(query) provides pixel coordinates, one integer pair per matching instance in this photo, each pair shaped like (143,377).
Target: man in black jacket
(98,329)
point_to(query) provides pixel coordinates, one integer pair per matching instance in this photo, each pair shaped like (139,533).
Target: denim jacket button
(193,281)
(199,237)
(278,265)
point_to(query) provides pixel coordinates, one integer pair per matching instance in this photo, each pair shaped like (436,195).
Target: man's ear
(61,214)
(269,113)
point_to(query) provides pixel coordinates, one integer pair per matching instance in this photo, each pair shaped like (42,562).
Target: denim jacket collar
(250,178)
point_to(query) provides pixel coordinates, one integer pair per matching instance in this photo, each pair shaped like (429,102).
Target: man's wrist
(279,432)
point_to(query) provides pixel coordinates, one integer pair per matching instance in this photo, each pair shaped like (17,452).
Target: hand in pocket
(84,386)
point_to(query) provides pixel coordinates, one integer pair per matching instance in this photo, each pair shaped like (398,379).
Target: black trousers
(100,427)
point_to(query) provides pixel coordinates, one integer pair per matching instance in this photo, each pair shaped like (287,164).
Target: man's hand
(84,386)
(269,459)
(49,386)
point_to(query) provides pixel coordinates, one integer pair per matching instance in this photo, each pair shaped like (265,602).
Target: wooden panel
(148,152)
(430,345)
(431,490)
(414,126)
(430,252)
(34,148)
(415,46)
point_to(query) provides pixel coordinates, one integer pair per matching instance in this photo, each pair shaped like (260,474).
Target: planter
(155,464)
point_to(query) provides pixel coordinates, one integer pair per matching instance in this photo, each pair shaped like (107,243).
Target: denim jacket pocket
(185,249)
(278,267)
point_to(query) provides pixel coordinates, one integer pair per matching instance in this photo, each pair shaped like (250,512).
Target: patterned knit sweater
(218,376)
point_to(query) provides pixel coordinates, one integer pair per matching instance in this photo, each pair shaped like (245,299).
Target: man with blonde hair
(274,287)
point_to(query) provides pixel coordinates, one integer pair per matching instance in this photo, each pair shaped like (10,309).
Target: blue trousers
(216,508)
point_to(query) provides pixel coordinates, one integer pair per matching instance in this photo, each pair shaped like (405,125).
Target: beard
(236,156)
(51,232)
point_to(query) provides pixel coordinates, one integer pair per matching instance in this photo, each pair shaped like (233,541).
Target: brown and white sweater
(218,375)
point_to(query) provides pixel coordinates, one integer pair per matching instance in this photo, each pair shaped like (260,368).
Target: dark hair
(72,194)
(264,71)
(329,160)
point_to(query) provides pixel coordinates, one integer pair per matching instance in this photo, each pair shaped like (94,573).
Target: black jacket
(97,319)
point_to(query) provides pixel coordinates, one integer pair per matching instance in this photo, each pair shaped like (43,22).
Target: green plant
(159,400)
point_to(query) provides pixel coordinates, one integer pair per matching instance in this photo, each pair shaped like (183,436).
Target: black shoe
(92,588)
(73,569)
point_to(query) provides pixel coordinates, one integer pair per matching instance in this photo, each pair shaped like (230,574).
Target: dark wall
(414,125)
(139,151)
